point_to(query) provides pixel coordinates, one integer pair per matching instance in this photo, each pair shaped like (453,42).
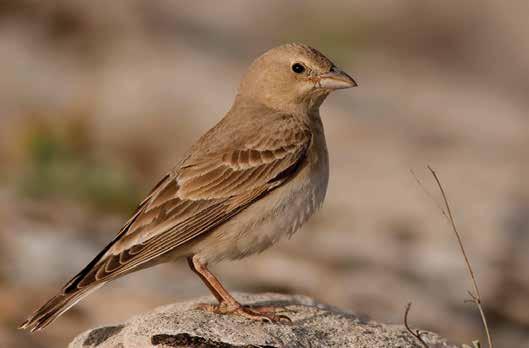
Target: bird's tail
(56,306)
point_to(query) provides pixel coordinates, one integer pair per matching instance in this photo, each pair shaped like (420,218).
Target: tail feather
(70,294)
(55,307)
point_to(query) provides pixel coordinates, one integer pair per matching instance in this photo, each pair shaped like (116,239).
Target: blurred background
(99,99)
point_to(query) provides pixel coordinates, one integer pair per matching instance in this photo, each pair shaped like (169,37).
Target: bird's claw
(265,314)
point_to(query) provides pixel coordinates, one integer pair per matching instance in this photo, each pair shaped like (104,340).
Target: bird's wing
(208,188)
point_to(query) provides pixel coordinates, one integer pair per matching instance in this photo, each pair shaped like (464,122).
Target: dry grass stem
(475,296)
(417,333)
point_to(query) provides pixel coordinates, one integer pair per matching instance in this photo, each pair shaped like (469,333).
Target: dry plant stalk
(475,296)
(417,334)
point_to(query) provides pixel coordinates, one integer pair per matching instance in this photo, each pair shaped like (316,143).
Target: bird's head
(293,76)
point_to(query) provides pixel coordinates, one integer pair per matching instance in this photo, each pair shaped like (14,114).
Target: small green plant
(60,164)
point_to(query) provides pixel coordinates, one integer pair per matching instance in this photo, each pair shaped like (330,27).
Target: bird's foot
(262,313)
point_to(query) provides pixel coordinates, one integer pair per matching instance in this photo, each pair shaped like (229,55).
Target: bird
(253,178)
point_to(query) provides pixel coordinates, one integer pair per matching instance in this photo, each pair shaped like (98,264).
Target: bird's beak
(335,79)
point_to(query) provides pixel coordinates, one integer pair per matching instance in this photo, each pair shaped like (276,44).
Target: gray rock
(313,325)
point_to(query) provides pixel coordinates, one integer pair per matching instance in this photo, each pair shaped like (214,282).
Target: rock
(313,325)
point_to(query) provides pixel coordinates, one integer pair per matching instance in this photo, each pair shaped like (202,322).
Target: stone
(313,325)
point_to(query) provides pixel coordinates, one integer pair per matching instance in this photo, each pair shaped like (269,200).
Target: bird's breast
(280,213)
(290,205)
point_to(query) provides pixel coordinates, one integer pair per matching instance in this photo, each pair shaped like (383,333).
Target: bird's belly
(263,223)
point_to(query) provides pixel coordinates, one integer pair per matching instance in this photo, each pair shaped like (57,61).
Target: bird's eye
(298,68)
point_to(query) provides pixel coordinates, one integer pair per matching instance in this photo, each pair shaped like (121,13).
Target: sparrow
(253,178)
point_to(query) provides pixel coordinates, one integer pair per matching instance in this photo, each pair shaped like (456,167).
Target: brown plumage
(254,177)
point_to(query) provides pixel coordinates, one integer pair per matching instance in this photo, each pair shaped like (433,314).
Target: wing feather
(206,190)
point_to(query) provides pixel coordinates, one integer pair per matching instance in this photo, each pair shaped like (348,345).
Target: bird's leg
(221,294)
(227,303)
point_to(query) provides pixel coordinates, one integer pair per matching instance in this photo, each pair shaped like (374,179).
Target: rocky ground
(312,325)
